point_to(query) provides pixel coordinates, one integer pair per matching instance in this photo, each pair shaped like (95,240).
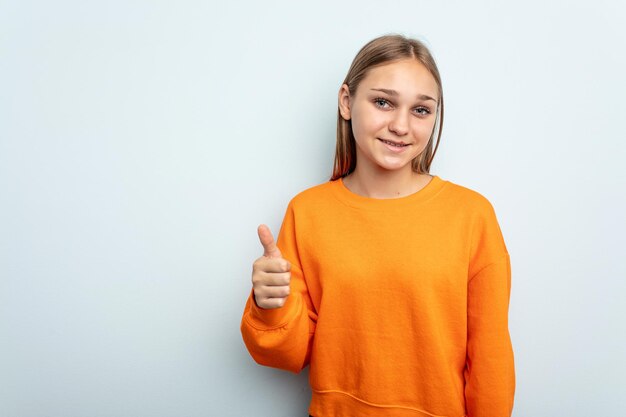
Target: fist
(270,273)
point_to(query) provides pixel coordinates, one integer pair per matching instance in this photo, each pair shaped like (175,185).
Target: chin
(395,167)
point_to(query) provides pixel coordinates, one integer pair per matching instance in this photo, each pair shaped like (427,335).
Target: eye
(381,102)
(423,111)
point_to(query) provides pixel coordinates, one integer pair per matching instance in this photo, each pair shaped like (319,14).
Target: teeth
(392,143)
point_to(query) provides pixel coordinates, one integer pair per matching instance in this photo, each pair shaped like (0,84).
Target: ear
(344,101)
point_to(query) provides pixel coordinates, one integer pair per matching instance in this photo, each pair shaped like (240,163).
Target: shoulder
(313,196)
(468,198)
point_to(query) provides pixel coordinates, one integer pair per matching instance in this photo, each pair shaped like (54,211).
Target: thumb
(267,240)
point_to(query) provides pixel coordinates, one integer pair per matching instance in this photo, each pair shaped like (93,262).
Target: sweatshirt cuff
(271,318)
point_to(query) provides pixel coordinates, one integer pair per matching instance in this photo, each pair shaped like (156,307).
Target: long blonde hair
(378,52)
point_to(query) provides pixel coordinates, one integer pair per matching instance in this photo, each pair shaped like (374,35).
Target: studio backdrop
(142,143)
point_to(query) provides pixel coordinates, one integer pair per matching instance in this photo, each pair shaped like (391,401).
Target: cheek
(423,129)
(366,124)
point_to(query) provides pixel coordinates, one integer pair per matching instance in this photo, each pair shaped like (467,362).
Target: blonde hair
(379,51)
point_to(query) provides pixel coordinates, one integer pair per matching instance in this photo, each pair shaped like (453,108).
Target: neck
(380,183)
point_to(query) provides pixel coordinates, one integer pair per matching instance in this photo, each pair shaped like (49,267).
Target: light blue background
(142,142)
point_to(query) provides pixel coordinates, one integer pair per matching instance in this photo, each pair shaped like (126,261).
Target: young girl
(393,284)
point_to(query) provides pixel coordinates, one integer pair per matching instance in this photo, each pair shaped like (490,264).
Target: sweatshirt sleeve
(489,372)
(282,337)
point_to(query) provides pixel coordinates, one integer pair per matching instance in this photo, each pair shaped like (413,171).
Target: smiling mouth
(396,144)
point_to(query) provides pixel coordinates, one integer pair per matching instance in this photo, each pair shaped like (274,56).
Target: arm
(282,337)
(490,370)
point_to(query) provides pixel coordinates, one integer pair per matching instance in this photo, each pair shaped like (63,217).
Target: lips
(393,143)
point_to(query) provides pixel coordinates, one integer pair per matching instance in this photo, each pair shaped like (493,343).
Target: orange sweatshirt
(399,306)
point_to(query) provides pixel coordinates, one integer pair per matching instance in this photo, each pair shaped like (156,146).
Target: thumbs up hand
(270,273)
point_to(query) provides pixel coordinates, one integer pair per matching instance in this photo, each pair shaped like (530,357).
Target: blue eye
(383,103)
(379,100)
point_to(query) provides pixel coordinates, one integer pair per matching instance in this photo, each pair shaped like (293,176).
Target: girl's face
(392,114)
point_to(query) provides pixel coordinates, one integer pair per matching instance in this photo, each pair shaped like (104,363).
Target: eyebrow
(395,93)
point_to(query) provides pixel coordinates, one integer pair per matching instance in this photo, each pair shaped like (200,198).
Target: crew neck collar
(358,201)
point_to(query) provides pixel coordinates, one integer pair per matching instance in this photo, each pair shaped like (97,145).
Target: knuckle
(259,294)
(257,297)
(282,279)
(277,264)
(256,265)
(256,278)
(269,303)
(276,292)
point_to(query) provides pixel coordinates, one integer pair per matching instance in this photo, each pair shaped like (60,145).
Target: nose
(399,123)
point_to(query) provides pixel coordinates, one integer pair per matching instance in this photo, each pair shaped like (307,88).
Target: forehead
(407,77)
